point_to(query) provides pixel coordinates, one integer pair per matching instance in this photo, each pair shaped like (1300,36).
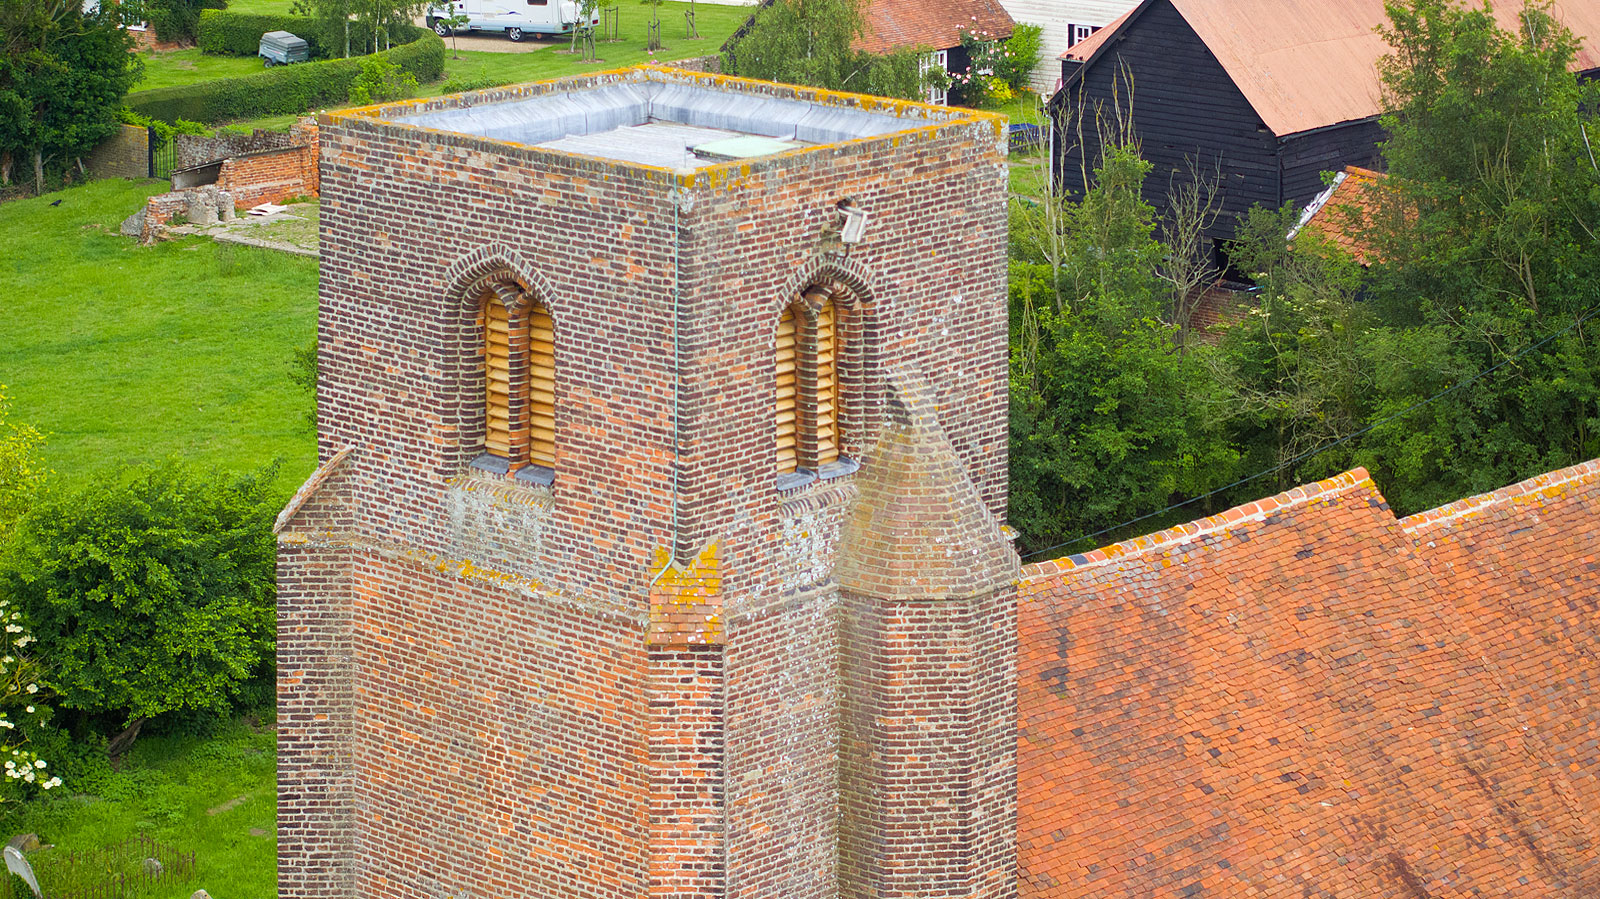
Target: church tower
(656,544)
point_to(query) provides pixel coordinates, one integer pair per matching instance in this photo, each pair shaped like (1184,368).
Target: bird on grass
(56,203)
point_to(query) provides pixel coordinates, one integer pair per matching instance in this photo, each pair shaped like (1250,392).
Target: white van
(516,18)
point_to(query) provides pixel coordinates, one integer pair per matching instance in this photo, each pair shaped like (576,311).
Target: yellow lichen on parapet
(932,117)
(686,599)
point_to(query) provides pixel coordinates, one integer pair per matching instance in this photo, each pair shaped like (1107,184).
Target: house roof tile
(936,24)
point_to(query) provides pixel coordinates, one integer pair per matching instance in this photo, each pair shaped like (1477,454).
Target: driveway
(499,43)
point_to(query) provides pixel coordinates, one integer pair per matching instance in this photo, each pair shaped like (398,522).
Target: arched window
(519,385)
(809,347)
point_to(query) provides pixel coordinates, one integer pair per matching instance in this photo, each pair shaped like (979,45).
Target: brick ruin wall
(407,222)
(197,149)
(125,154)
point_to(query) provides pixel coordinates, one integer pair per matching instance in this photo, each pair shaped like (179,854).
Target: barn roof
(1306,64)
(890,24)
(1306,696)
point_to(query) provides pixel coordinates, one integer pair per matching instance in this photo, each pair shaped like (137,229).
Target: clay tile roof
(1307,64)
(935,24)
(1337,213)
(1304,696)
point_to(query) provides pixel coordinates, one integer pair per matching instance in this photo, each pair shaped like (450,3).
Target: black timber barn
(1264,96)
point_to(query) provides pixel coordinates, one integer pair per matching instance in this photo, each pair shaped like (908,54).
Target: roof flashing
(646,116)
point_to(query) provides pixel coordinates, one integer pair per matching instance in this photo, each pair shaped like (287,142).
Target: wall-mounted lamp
(855,222)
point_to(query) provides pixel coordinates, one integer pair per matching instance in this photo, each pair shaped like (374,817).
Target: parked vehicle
(279,48)
(515,18)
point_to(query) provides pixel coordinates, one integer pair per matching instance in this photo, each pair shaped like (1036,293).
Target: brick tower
(655,545)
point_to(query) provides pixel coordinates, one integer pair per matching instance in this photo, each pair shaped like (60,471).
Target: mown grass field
(552,60)
(174,67)
(125,354)
(213,795)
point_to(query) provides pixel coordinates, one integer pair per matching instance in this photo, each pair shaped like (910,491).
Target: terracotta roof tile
(1305,696)
(1338,212)
(935,24)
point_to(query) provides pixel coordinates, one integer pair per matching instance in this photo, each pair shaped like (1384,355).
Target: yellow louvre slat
(826,349)
(784,399)
(497,376)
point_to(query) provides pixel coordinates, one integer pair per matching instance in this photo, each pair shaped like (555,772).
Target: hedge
(239,34)
(284,90)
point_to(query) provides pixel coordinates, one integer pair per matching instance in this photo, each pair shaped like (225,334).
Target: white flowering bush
(21,712)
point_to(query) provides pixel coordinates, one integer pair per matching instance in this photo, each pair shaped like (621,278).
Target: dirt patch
(230,805)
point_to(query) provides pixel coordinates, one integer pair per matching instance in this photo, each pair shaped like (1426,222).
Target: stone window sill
(530,475)
(792,481)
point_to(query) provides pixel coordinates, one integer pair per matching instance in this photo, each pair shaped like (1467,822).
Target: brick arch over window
(825,373)
(504,372)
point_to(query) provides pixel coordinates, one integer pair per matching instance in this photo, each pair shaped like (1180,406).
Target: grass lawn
(174,67)
(262,7)
(715,24)
(125,354)
(214,796)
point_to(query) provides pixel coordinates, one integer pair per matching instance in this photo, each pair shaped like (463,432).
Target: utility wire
(1577,323)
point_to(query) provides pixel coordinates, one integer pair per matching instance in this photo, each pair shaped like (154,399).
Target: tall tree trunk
(347,36)
(5,168)
(38,170)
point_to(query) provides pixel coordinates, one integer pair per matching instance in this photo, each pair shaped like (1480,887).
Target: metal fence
(163,156)
(136,867)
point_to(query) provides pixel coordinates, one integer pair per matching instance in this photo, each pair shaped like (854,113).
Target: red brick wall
(665,291)
(269,177)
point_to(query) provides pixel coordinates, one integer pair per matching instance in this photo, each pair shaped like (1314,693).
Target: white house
(1065,22)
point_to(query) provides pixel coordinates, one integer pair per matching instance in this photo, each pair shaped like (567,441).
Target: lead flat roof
(659,123)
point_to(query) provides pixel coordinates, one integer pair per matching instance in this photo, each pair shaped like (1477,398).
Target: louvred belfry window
(498,436)
(824,395)
(788,453)
(809,346)
(541,387)
(519,381)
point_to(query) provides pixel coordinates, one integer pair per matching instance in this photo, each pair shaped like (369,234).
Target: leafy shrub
(162,131)
(381,81)
(21,473)
(228,33)
(152,595)
(176,20)
(285,89)
(1020,56)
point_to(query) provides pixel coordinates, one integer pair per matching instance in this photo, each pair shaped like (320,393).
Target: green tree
(1297,367)
(809,42)
(151,595)
(1487,244)
(1489,154)
(62,79)
(366,26)
(1109,421)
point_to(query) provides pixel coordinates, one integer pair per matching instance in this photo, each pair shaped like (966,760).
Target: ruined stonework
(648,678)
